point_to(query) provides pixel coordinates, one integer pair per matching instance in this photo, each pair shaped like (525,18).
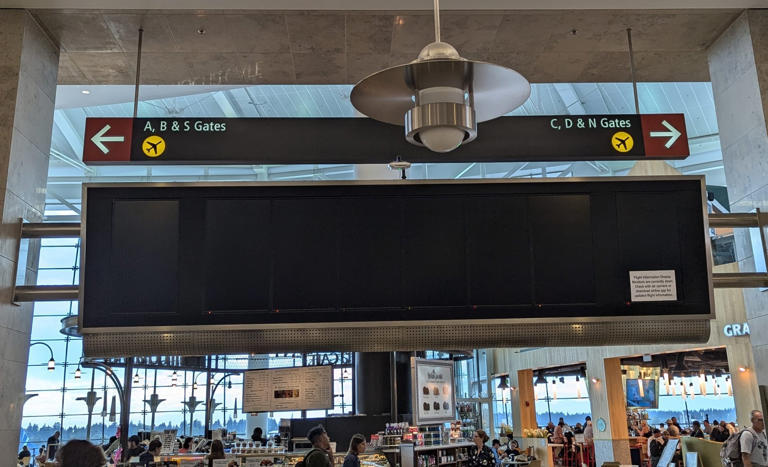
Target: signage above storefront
(736,329)
(365,141)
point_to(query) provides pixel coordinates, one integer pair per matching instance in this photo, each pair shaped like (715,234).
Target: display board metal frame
(388,335)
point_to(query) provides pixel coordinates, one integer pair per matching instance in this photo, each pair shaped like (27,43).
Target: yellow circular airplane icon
(153,146)
(622,141)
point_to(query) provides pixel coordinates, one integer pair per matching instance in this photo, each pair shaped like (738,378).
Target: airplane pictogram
(153,146)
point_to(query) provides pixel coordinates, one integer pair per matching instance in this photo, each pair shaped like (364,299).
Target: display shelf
(443,446)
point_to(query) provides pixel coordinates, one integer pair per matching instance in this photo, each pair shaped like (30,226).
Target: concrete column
(372,385)
(738,68)
(28,72)
(617,410)
(599,408)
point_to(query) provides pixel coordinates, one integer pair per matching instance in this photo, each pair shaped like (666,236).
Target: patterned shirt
(482,458)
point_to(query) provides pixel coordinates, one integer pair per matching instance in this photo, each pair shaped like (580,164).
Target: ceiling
(215,47)
(376,5)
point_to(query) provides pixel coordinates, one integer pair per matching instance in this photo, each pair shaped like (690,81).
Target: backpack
(303,462)
(730,453)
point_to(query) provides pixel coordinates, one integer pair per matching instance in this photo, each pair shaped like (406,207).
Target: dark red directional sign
(366,141)
(664,135)
(108,139)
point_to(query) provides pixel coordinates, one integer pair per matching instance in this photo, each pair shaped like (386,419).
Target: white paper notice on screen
(653,286)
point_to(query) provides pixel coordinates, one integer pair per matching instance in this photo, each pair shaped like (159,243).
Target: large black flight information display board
(161,256)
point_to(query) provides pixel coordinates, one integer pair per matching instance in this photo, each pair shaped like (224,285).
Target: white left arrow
(99,139)
(672,134)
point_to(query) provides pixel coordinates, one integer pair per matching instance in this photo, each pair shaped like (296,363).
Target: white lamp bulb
(442,138)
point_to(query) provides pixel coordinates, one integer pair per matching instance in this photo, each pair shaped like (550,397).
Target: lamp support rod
(437,20)
(43,343)
(632,69)
(138,74)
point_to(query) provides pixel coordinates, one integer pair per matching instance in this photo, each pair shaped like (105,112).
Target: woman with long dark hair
(217,452)
(356,447)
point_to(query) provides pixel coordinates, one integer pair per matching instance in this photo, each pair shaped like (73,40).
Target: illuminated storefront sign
(736,329)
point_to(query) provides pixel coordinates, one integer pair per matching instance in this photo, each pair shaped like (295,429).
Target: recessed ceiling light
(85,91)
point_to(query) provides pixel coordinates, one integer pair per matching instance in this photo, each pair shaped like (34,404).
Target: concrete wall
(738,63)
(28,71)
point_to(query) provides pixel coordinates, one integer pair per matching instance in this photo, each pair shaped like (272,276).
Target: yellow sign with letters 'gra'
(622,141)
(153,146)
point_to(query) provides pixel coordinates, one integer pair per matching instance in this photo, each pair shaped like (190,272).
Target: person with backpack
(748,447)
(321,454)
(753,442)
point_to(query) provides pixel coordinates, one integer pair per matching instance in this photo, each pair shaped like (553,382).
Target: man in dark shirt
(321,454)
(53,445)
(134,447)
(24,453)
(696,430)
(656,447)
(153,450)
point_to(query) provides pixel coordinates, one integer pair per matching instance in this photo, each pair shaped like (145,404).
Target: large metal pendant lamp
(440,97)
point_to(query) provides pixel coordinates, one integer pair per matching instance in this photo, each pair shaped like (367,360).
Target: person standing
(719,433)
(672,428)
(753,442)
(645,429)
(53,445)
(557,435)
(656,447)
(24,453)
(589,434)
(321,454)
(356,447)
(480,455)
(258,436)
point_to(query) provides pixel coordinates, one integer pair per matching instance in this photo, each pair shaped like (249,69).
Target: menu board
(304,388)
(433,394)
(168,438)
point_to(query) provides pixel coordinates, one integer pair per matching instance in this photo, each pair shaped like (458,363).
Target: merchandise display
(470,418)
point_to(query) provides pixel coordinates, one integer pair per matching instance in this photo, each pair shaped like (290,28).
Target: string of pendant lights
(701,383)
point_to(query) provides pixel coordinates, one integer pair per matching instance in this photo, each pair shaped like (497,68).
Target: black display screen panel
(303,254)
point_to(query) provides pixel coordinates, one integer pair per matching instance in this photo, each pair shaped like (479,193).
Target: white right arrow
(672,134)
(99,139)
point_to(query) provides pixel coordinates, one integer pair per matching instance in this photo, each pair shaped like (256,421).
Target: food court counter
(368,459)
